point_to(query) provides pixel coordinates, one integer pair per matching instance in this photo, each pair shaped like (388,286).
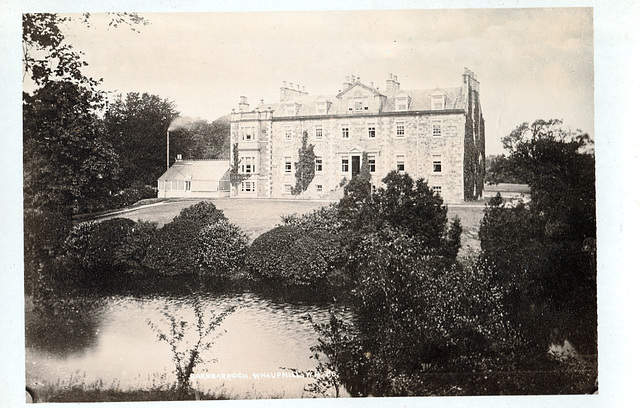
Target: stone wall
(418,146)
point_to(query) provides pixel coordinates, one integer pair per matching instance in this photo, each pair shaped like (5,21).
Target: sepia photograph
(351,204)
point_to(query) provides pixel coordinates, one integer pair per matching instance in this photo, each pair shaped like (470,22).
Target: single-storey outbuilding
(195,178)
(508,191)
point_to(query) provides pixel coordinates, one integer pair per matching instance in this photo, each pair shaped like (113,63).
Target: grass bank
(99,392)
(256,216)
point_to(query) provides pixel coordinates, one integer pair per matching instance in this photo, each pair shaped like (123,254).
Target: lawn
(256,216)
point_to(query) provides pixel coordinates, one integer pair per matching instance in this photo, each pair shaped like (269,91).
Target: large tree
(67,163)
(136,126)
(201,139)
(544,251)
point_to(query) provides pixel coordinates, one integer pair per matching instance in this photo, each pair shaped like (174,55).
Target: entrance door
(355,166)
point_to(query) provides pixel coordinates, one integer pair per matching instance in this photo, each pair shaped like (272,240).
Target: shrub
(202,214)
(222,248)
(291,256)
(417,319)
(131,195)
(323,218)
(92,247)
(174,248)
(134,248)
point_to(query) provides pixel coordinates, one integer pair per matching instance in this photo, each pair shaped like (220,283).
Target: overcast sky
(531,63)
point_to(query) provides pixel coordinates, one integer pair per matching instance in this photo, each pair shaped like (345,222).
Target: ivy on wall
(474,153)
(235,176)
(305,167)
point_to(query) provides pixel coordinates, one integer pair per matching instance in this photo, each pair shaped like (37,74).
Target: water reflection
(261,336)
(64,326)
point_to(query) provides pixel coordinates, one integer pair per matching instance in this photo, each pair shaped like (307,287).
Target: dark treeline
(82,154)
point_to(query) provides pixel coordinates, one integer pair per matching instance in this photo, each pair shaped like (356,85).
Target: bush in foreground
(222,248)
(291,256)
(93,247)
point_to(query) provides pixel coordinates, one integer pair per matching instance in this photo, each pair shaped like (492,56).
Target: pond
(110,340)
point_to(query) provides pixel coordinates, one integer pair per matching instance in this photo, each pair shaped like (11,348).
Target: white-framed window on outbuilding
(319,164)
(287,164)
(437,190)
(437,163)
(187,185)
(400,163)
(372,163)
(319,188)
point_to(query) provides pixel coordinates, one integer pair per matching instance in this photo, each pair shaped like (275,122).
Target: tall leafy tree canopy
(201,139)
(136,126)
(545,249)
(68,163)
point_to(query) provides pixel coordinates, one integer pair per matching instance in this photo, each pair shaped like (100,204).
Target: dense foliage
(135,245)
(68,165)
(305,166)
(92,249)
(136,127)
(546,249)
(200,139)
(404,206)
(235,174)
(291,256)
(200,240)
(222,247)
(174,249)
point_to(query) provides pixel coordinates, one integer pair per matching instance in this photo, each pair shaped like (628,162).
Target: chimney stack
(469,77)
(243,105)
(288,90)
(347,83)
(392,84)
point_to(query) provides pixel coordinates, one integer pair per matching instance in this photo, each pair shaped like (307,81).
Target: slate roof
(196,170)
(420,100)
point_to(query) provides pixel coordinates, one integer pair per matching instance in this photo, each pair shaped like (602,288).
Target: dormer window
(437,102)
(290,108)
(321,107)
(402,102)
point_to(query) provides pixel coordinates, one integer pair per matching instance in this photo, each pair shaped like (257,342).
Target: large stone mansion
(435,134)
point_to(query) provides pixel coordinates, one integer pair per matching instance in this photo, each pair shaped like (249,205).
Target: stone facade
(435,134)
